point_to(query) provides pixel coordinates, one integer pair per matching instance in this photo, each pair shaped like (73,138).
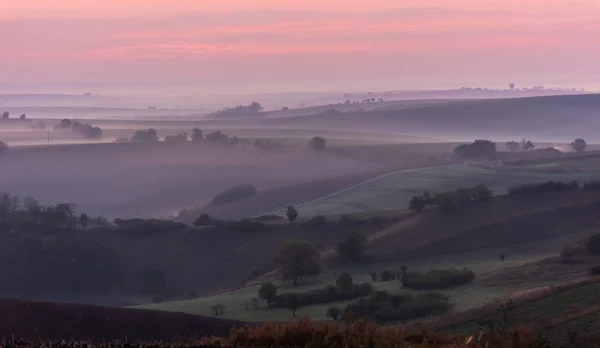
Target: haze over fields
(419,163)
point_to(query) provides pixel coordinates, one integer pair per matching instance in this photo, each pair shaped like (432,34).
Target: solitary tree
(298,259)
(197,134)
(293,303)
(318,144)
(292,213)
(22,117)
(334,313)
(579,145)
(268,292)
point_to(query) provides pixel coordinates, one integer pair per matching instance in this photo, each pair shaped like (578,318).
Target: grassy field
(473,295)
(393,191)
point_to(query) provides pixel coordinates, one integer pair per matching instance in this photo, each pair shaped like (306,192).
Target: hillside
(57,321)
(551,118)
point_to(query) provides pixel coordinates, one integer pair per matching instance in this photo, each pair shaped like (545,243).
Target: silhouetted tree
(83,220)
(285,109)
(149,135)
(64,124)
(334,313)
(478,149)
(5,115)
(203,220)
(291,213)
(293,303)
(298,259)
(179,138)
(318,144)
(23,116)
(526,145)
(579,145)
(512,146)
(417,204)
(197,134)
(268,292)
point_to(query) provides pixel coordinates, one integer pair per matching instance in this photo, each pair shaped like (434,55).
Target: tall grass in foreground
(305,333)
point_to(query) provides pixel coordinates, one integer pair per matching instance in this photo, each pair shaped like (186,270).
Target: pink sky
(265,45)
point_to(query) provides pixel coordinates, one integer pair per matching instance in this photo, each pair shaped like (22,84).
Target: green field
(466,297)
(393,191)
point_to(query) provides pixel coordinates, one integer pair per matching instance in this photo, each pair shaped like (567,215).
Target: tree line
(449,201)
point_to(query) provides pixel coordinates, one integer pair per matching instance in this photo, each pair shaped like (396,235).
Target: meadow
(393,191)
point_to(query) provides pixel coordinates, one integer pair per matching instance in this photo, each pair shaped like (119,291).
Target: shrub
(233,194)
(325,295)
(549,186)
(594,271)
(437,278)
(382,307)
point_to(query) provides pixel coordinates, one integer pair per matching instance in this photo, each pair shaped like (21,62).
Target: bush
(326,295)
(594,271)
(437,279)
(233,194)
(478,149)
(382,307)
(549,186)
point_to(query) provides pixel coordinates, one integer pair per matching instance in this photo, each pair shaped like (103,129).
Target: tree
(298,259)
(293,303)
(334,313)
(22,117)
(268,292)
(417,204)
(141,135)
(3,147)
(345,283)
(285,109)
(579,145)
(478,149)
(353,247)
(512,146)
(203,220)
(5,115)
(83,221)
(292,213)
(318,144)
(197,134)
(64,124)
(526,145)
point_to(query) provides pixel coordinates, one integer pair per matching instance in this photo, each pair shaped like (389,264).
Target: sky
(241,46)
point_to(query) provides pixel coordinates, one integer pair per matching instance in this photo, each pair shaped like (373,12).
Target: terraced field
(393,191)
